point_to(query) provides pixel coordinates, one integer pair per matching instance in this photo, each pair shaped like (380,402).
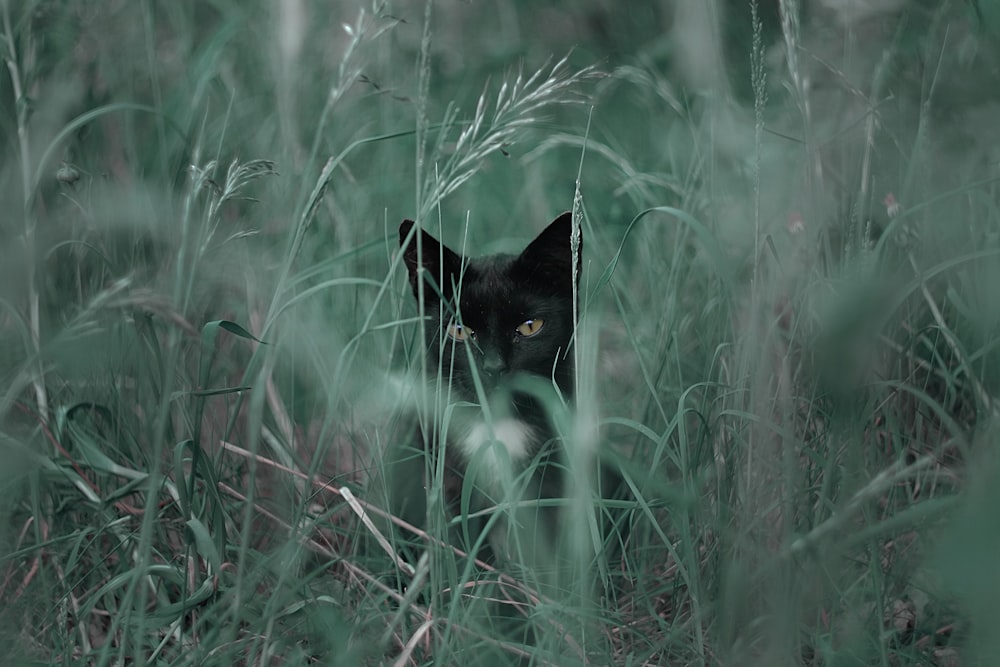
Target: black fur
(492,296)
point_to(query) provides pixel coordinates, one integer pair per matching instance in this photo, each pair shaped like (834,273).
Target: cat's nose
(493,363)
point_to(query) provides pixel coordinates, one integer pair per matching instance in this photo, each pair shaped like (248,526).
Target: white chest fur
(494,448)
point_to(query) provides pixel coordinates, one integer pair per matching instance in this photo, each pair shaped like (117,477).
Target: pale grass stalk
(411,643)
(791,29)
(24,148)
(346,494)
(756,476)
(74,604)
(759,83)
(278,410)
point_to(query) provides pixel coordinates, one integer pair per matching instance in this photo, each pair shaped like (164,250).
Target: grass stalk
(23,109)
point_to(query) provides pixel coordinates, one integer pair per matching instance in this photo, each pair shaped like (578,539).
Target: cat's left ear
(550,256)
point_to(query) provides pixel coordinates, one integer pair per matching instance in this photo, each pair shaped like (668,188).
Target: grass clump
(787,340)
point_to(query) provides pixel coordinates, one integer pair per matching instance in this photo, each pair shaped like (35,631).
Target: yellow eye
(460,333)
(530,328)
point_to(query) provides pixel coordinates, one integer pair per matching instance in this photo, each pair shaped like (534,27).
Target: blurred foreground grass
(790,335)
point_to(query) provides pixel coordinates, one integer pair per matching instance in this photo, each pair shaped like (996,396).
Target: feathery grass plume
(519,105)
(366,29)
(237,176)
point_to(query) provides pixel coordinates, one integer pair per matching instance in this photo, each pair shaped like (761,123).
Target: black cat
(499,331)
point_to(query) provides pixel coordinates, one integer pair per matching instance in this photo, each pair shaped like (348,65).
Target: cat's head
(504,315)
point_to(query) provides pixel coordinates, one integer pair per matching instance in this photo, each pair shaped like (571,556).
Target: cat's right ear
(442,266)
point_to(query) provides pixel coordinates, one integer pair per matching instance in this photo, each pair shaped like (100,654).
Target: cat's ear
(442,265)
(549,257)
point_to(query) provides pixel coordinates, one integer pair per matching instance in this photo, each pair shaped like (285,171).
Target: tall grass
(787,342)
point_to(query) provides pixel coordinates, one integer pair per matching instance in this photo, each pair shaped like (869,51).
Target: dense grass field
(789,338)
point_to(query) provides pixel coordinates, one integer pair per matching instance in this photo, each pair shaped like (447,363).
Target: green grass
(788,339)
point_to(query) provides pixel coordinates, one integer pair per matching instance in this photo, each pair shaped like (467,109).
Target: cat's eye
(460,333)
(530,327)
